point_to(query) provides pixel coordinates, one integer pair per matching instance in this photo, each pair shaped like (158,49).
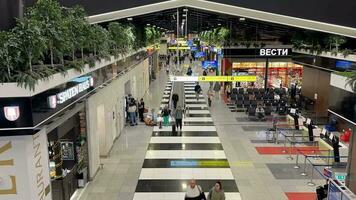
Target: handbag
(202,195)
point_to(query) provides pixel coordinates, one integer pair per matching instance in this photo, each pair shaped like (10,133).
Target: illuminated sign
(274,52)
(245,78)
(84,83)
(180,48)
(12,113)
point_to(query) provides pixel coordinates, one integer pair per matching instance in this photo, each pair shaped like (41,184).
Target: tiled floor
(172,159)
(215,144)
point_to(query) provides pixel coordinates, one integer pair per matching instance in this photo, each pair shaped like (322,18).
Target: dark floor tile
(199,123)
(176,185)
(185,163)
(199,115)
(187,146)
(185,133)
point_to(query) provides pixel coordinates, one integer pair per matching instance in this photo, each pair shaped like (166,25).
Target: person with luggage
(217,192)
(165,114)
(132,112)
(141,109)
(197,90)
(175,99)
(194,191)
(179,118)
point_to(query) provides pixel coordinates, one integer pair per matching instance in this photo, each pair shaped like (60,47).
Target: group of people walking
(196,192)
(176,117)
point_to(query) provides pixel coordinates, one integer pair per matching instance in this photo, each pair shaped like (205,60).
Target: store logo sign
(12,113)
(274,52)
(52,101)
(70,93)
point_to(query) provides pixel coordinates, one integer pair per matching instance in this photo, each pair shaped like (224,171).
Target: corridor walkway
(172,159)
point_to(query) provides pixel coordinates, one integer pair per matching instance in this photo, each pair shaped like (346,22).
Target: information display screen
(199,54)
(210,64)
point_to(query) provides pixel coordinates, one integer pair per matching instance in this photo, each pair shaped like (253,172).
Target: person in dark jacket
(197,90)
(175,99)
(166,113)
(141,109)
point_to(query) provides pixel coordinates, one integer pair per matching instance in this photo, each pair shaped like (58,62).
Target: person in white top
(193,190)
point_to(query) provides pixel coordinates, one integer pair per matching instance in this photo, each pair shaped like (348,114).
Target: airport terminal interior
(177,100)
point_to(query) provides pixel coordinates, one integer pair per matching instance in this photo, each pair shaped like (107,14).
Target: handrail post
(296,161)
(304,173)
(311,183)
(290,151)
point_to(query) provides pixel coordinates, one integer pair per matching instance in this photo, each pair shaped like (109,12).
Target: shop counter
(64,188)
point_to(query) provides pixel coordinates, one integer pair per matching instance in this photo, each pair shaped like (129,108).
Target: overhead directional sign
(245,78)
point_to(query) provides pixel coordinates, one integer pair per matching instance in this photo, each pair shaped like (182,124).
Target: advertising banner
(24,167)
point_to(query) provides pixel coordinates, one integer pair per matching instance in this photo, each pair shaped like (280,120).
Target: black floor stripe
(194,97)
(199,115)
(176,185)
(187,146)
(196,102)
(185,133)
(199,123)
(185,163)
(198,108)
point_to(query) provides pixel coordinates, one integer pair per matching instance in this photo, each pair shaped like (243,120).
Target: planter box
(13,90)
(340,82)
(340,56)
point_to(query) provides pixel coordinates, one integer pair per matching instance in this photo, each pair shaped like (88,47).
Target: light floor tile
(185,154)
(199,140)
(187,128)
(186,173)
(198,119)
(176,196)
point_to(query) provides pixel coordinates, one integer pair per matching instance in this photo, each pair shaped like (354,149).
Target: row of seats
(266,96)
(279,91)
(267,102)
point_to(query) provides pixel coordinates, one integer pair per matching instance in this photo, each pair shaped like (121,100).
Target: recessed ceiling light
(154,25)
(129,18)
(185,9)
(184,15)
(148,24)
(242,19)
(219,24)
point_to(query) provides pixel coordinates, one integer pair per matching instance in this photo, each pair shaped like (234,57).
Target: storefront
(272,66)
(51,140)
(281,72)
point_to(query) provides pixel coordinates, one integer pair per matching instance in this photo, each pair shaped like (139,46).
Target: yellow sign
(213,78)
(242,78)
(228,78)
(180,48)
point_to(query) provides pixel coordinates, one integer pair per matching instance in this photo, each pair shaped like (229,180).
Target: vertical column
(266,73)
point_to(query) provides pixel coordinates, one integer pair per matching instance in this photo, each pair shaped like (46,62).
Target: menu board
(67,149)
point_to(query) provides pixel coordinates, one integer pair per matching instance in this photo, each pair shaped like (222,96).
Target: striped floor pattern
(172,159)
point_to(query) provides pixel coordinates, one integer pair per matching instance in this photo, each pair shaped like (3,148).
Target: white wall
(24,173)
(340,82)
(101,138)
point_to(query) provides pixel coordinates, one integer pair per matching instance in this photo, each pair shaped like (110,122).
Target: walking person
(165,114)
(217,88)
(217,192)
(175,99)
(197,90)
(132,112)
(228,91)
(194,191)
(210,96)
(141,109)
(179,118)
